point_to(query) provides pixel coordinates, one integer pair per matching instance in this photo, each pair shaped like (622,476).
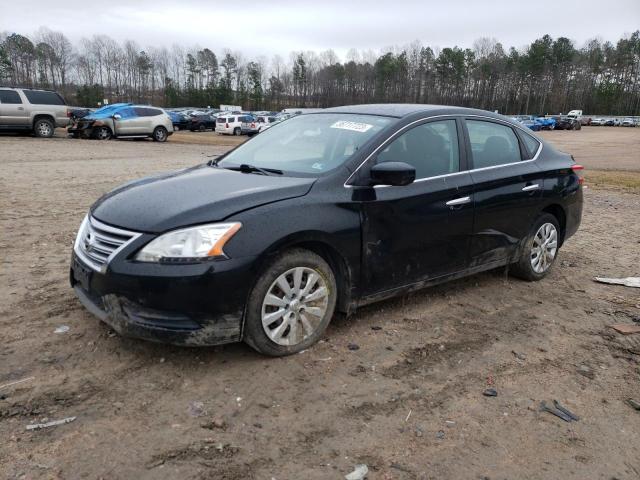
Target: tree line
(547,76)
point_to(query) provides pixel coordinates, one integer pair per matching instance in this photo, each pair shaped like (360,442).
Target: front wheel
(540,249)
(160,134)
(291,304)
(102,133)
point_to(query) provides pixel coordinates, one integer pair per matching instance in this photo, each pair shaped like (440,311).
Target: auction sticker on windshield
(353,126)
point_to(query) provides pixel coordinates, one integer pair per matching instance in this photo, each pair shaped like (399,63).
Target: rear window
(147,112)
(9,96)
(38,97)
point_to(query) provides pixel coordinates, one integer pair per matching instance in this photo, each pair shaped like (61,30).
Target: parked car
(257,124)
(122,120)
(563,122)
(612,122)
(202,123)
(629,122)
(584,121)
(532,125)
(598,121)
(32,110)
(546,123)
(324,212)
(179,120)
(231,124)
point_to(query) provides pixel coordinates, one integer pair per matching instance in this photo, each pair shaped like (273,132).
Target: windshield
(308,144)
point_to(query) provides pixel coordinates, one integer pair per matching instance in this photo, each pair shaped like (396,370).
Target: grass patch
(613,179)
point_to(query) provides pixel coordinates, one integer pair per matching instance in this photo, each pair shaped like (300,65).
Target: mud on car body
(322,213)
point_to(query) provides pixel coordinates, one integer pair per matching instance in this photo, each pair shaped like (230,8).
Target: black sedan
(201,123)
(322,213)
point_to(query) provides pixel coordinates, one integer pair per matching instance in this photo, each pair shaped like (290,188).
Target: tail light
(253,125)
(68,113)
(226,125)
(576,168)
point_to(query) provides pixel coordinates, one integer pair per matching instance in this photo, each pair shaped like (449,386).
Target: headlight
(189,244)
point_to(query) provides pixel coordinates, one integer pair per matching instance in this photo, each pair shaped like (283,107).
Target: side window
(532,145)
(39,97)
(127,113)
(9,96)
(432,148)
(492,144)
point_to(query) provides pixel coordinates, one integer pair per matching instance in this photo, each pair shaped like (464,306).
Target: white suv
(231,124)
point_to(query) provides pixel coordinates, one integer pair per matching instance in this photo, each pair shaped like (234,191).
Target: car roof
(400,110)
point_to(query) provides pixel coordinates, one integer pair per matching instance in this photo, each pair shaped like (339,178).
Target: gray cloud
(268,27)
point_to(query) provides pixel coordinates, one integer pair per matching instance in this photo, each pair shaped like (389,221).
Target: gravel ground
(408,402)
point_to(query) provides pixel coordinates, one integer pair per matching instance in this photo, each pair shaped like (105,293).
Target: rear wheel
(102,133)
(237,131)
(202,128)
(160,134)
(291,304)
(44,128)
(540,249)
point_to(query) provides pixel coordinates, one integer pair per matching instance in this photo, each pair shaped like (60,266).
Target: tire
(237,131)
(102,133)
(524,268)
(202,128)
(293,327)
(44,128)
(160,134)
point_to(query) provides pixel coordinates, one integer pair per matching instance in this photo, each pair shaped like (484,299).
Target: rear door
(508,189)
(12,110)
(420,231)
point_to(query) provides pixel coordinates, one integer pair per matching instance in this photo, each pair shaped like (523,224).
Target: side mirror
(117,116)
(397,174)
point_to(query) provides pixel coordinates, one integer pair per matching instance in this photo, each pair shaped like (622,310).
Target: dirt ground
(408,403)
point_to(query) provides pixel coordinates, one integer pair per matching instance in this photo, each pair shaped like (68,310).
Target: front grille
(98,243)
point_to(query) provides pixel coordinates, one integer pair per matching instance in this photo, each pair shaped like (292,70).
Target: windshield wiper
(246,168)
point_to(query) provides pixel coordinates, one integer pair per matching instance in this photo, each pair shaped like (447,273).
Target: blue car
(532,125)
(546,123)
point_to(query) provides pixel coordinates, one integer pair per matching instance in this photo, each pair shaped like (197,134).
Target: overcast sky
(266,27)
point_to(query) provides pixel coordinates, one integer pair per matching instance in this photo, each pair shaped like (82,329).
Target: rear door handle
(530,188)
(458,201)
(20,108)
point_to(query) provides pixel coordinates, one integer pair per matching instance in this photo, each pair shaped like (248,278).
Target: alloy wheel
(544,247)
(294,306)
(44,129)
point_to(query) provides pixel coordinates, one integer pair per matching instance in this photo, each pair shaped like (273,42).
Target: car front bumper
(190,305)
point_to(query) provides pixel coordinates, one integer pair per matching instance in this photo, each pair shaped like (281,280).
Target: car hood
(192,196)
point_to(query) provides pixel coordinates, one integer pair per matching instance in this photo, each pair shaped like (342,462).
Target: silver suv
(121,120)
(30,109)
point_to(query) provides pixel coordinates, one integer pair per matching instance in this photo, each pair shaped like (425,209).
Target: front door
(420,231)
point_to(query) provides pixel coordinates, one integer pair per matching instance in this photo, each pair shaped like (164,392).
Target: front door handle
(458,201)
(531,188)
(20,108)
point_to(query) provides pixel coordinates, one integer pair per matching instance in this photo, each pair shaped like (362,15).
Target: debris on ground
(586,372)
(566,411)
(490,392)
(359,473)
(376,327)
(627,282)
(440,435)
(196,409)
(626,328)
(564,414)
(16,382)
(353,346)
(54,423)
(215,422)
(518,355)
(62,329)
(634,404)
